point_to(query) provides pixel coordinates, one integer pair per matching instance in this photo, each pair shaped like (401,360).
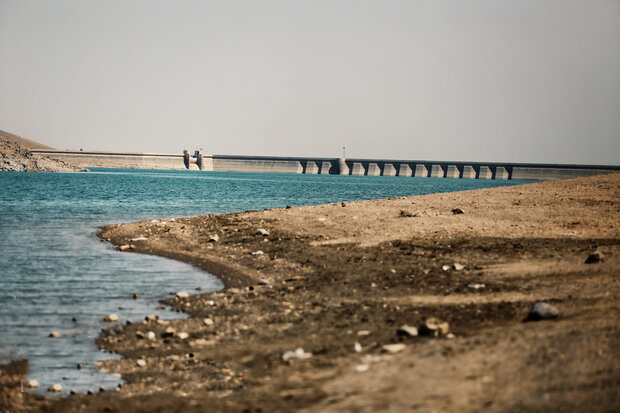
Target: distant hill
(26,143)
(15,156)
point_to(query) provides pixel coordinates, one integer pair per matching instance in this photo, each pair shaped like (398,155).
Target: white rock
(111,318)
(183,335)
(138,239)
(150,335)
(476,286)
(298,354)
(55,334)
(183,294)
(210,302)
(322,219)
(255,253)
(363,333)
(393,348)
(208,321)
(141,363)
(32,384)
(457,266)
(445,267)
(214,238)
(55,388)
(261,231)
(357,347)
(360,368)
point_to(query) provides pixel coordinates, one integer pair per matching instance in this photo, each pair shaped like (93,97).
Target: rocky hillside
(15,156)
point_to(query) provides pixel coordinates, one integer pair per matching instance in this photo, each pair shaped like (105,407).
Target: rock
(80,366)
(357,347)
(72,392)
(183,294)
(90,392)
(407,331)
(321,219)
(74,319)
(363,333)
(476,286)
(54,334)
(261,231)
(150,335)
(32,384)
(110,318)
(542,311)
(141,363)
(160,307)
(124,247)
(393,348)
(255,253)
(434,327)
(136,296)
(457,266)
(101,389)
(263,282)
(151,317)
(445,267)
(183,335)
(208,322)
(360,368)
(298,354)
(214,238)
(457,211)
(169,332)
(140,335)
(233,291)
(595,257)
(55,388)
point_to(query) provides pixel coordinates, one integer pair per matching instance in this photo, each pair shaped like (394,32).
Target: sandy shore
(339,280)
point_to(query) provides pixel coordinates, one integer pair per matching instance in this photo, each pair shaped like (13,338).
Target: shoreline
(333,273)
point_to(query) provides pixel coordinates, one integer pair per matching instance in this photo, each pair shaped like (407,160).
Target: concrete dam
(327,166)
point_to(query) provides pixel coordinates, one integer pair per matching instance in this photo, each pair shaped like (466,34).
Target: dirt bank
(338,281)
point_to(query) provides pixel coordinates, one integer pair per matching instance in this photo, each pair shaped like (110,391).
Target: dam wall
(329,166)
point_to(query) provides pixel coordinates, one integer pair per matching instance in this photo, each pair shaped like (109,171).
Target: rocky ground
(15,156)
(409,304)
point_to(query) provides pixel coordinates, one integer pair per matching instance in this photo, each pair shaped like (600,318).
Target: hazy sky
(496,80)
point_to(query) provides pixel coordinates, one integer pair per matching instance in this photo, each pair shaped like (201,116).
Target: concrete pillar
(186,158)
(501,173)
(453,172)
(436,171)
(469,172)
(300,168)
(312,168)
(358,169)
(198,157)
(342,166)
(389,170)
(485,173)
(325,167)
(373,169)
(421,171)
(404,170)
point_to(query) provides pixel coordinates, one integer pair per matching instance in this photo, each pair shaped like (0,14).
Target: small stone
(140,363)
(150,335)
(136,296)
(124,247)
(169,332)
(542,311)
(450,336)
(233,291)
(140,335)
(434,327)
(255,253)
(183,294)
(160,307)
(110,318)
(357,347)
(457,211)
(298,354)
(80,366)
(363,333)
(476,286)
(393,348)
(322,219)
(595,257)
(90,392)
(208,321)
(183,335)
(263,282)
(457,266)
(74,319)
(445,267)
(55,388)
(407,331)
(360,368)
(54,334)
(261,231)
(101,389)
(32,384)
(214,238)
(72,392)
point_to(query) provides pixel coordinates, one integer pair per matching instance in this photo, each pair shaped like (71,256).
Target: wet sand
(331,276)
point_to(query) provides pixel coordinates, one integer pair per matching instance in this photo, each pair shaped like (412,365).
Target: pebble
(169,332)
(136,296)
(445,267)
(183,294)
(263,282)
(457,211)
(141,363)
(261,231)
(111,318)
(150,335)
(255,253)
(434,327)
(32,384)
(80,366)
(594,258)
(55,388)
(54,334)
(457,266)
(74,319)
(360,368)
(151,317)
(357,347)
(140,335)
(322,219)
(407,331)
(476,286)
(298,354)
(214,238)
(124,247)
(542,311)
(183,335)
(208,321)
(393,348)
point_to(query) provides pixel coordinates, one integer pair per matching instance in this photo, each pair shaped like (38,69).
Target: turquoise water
(54,268)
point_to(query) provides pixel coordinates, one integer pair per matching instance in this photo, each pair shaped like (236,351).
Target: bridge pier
(436,171)
(421,171)
(389,170)
(452,172)
(374,169)
(358,169)
(404,170)
(312,168)
(343,169)
(501,173)
(485,173)
(468,172)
